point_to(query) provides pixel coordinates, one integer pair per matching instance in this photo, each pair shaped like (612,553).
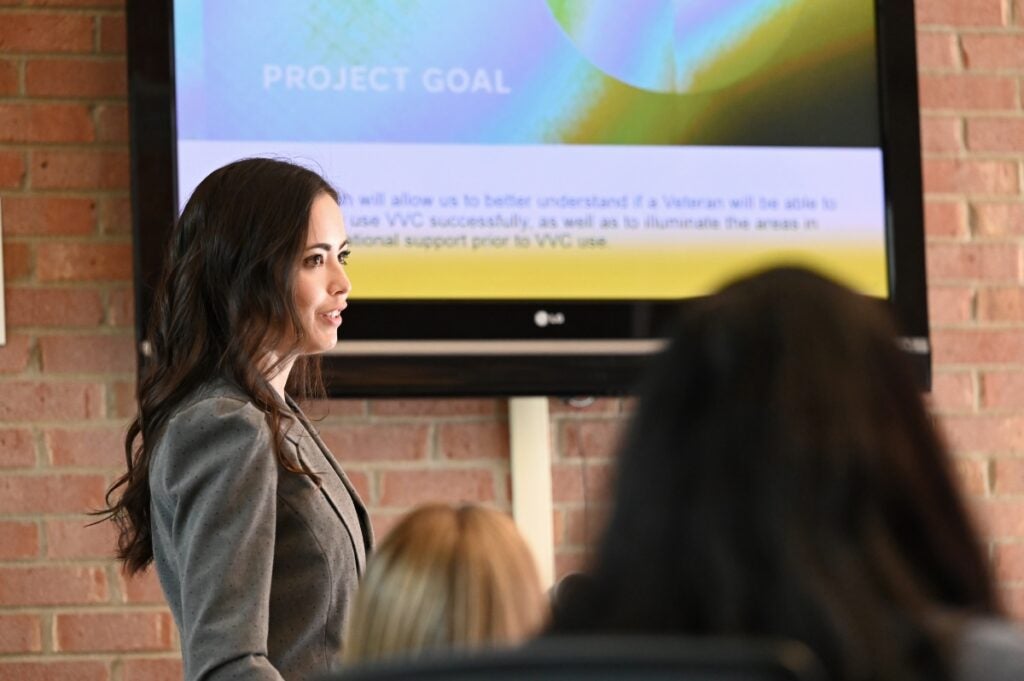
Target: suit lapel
(303,435)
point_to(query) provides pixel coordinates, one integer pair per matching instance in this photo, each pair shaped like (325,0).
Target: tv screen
(532,187)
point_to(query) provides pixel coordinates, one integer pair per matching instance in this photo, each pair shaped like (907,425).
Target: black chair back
(601,658)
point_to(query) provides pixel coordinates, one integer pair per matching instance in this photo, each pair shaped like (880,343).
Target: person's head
(253,282)
(252,269)
(445,578)
(781,476)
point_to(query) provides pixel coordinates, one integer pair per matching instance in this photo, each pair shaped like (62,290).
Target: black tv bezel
(513,368)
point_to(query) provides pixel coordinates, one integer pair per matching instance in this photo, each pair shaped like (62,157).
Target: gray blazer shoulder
(258,564)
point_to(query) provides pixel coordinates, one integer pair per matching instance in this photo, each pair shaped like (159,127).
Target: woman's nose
(339,282)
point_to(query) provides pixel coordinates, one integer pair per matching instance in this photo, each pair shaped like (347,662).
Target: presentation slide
(570,150)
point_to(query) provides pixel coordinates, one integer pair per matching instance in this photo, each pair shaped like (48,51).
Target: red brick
(81,4)
(59,307)
(88,354)
(993,50)
(45,123)
(977,346)
(51,401)
(1008,476)
(49,216)
(1002,389)
(361,482)
(95,632)
(17,449)
(381,442)
(950,304)
(1000,518)
(952,391)
(15,355)
(320,409)
(941,134)
(985,261)
(68,493)
(18,541)
(948,176)
(86,262)
(142,588)
(168,669)
(998,219)
(972,475)
(383,522)
(12,169)
(41,586)
(80,538)
(945,218)
(121,307)
(590,439)
(45,32)
(435,407)
(87,447)
(1001,304)
(1012,600)
(410,487)
(1008,562)
(116,215)
(959,12)
(568,561)
(76,78)
(463,441)
(983,433)
(574,482)
(112,123)
(583,526)
(80,169)
(967,91)
(124,400)
(937,50)
(112,34)
(17,261)
(558,523)
(55,670)
(20,634)
(995,134)
(8,77)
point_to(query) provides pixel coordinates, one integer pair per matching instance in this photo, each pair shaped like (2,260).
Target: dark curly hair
(781,477)
(224,299)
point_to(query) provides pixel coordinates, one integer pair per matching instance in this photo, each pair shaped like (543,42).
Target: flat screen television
(532,188)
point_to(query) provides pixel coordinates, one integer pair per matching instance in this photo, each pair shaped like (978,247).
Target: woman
(444,579)
(257,535)
(782,478)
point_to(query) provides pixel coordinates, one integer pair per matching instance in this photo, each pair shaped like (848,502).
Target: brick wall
(66,373)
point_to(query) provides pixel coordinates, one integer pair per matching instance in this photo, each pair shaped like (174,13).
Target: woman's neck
(279,379)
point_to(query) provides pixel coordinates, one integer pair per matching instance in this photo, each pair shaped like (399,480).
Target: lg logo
(544,318)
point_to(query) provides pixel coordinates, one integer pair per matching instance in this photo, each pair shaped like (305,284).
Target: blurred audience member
(781,477)
(443,579)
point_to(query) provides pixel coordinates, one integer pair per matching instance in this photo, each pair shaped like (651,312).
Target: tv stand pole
(529,428)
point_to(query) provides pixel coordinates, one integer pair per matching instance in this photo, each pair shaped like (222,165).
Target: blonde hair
(446,578)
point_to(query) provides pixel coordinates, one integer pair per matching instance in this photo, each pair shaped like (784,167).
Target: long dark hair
(223,301)
(781,477)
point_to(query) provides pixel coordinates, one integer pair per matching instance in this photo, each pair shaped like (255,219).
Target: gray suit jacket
(258,564)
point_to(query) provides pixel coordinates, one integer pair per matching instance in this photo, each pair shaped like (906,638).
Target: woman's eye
(343,257)
(315,260)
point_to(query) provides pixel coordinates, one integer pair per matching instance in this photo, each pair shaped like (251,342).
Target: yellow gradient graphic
(572,275)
